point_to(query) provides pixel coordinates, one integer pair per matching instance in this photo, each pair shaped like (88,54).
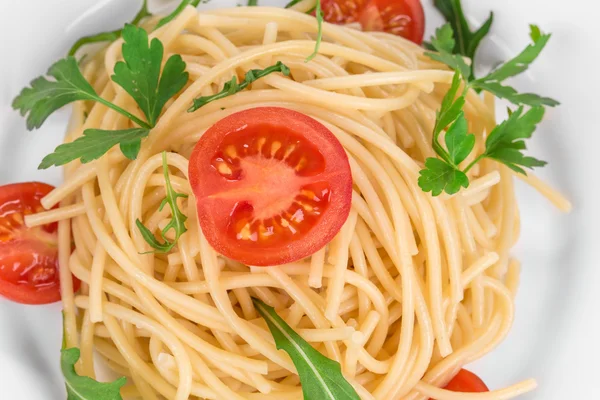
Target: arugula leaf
(467,41)
(140,73)
(321,378)
(84,387)
(178,218)
(233,87)
(519,64)
(109,36)
(178,10)
(439,176)
(443,42)
(506,142)
(94,144)
(319,16)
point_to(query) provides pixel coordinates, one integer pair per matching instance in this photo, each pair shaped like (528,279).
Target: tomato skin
(466,382)
(404,18)
(28,257)
(255,212)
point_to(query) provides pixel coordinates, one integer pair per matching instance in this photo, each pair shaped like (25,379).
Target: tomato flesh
(400,17)
(466,382)
(272,186)
(28,256)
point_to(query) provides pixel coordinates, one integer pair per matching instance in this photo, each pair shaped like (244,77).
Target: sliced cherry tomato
(272,186)
(28,256)
(400,17)
(466,382)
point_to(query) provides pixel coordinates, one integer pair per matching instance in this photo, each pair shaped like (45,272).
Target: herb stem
(475,161)
(124,112)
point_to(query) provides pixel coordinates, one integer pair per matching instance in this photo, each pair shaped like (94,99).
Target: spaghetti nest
(412,288)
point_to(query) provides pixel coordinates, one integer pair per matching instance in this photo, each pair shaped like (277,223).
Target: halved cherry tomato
(400,17)
(466,382)
(28,256)
(272,186)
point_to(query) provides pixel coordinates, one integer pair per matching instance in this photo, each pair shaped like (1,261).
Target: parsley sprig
(321,377)
(233,87)
(139,74)
(506,142)
(178,218)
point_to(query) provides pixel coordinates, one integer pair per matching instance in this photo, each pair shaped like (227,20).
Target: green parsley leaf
(94,144)
(444,174)
(178,10)
(252,3)
(109,36)
(506,142)
(439,176)
(233,87)
(321,377)
(458,142)
(140,73)
(84,387)
(443,42)
(45,96)
(450,110)
(178,218)
(467,41)
(519,64)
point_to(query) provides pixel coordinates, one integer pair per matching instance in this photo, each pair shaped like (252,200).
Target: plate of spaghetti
(315,199)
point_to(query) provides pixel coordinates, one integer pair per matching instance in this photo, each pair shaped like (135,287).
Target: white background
(555,337)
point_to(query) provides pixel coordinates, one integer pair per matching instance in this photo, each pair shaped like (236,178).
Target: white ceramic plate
(555,336)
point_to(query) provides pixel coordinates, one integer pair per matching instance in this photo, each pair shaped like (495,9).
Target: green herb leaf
(178,10)
(321,378)
(458,142)
(109,36)
(45,96)
(83,387)
(519,64)
(450,110)
(439,176)
(467,41)
(140,74)
(233,87)
(252,3)
(178,218)
(443,42)
(506,142)
(94,144)
(444,174)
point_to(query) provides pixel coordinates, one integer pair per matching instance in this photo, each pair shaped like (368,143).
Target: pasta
(411,289)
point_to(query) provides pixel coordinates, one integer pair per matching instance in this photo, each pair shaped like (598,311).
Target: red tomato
(401,17)
(466,382)
(28,257)
(272,186)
